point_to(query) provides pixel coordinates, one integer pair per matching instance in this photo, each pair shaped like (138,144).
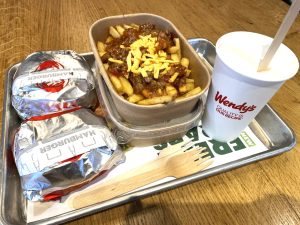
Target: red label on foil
(51,86)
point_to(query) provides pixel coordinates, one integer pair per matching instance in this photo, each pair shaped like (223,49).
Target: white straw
(280,35)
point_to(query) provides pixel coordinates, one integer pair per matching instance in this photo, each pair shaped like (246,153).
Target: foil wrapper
(60,154)
(52,81)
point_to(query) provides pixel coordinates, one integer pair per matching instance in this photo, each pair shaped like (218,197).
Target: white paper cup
(238,92)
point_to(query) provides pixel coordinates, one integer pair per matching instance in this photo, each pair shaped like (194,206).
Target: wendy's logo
(243,108)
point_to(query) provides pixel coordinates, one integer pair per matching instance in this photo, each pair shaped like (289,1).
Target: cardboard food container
(150,114)
(145,135)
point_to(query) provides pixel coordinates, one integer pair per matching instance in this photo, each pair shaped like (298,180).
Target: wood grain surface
(266,192)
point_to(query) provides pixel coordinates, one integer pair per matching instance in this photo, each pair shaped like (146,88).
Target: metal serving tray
(267,126)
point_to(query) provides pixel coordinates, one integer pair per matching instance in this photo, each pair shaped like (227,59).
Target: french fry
(128,61)
(186,87)
(156,100)
(134,25)
(177,44)
(101,48)
(185,62)
(193,92)
(171,91)
(183,89)
(120,29)
(127,88)
(147,62)
(135,98)
(159,91)
(188,72)
(113,32)
(188,80)
(105,65)
(190,86)
(115,61)
(116,83)
(162,53)
(173,49)
(175,57)
(126,26)
(146,93)
(173,77)
(156,71)
(108,39)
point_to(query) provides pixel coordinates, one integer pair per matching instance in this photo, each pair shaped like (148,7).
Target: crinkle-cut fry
(108,39)
(156,100)
(120,29)
(116,83)
(101,47)
(127,88)
(135,98)
(113,32)
(185,62)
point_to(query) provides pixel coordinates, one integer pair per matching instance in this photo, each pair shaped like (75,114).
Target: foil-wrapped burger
(57,155)
(52,81)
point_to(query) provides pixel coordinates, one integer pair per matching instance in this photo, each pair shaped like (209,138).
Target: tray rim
(72,215)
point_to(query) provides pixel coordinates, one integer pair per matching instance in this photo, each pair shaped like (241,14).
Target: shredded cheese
(149,61)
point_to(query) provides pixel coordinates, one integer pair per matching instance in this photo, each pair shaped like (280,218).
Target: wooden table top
(266,192)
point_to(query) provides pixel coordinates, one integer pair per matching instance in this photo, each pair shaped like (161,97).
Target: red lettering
(219,97)
(228,114)
(226,102)
(232,105)
(243,108)
(252,108)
